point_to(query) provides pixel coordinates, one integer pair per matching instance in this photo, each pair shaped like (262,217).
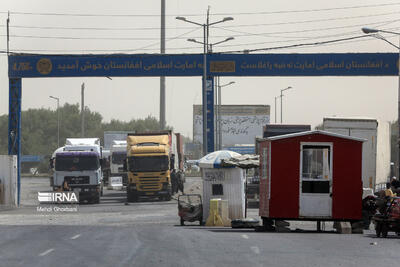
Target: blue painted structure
(31,158)
(153,65)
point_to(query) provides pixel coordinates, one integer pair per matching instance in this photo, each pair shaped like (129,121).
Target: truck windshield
(118,157)
(77,163)
(148,164)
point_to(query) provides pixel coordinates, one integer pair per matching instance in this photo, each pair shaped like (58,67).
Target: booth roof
(213,160)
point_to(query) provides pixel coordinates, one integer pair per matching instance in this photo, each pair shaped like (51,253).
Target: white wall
(233,180)
(8,178)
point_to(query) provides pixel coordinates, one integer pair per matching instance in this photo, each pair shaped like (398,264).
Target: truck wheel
(167,197)
(182,222)
(96,199)
(181,187)
(378,229)
(384,230)
(131,197)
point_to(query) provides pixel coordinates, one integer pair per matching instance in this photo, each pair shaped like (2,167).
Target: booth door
(315,180)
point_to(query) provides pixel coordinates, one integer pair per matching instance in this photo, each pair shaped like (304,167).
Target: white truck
(376,150)
(117,159)
(77,167)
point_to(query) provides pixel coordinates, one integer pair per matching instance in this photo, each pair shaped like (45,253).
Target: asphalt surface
(147,234)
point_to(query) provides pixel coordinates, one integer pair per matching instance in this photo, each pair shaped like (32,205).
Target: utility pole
(205,52)
(83,110)
(8,33)
(162,78)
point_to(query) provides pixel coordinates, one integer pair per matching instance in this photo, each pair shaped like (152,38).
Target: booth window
(315,168)
(217,190)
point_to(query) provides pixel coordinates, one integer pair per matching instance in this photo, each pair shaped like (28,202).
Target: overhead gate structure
(154,65)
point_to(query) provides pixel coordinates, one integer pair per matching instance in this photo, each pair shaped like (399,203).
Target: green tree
(39,128)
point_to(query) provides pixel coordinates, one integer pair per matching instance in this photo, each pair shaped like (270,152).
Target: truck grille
(77,179)
(149,183)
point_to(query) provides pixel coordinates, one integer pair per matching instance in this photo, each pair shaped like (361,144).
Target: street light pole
(205,51)
(275,105)
(281,96)
(58,119)
(83,110)
(368,31)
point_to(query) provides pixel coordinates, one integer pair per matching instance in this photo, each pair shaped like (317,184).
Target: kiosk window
(217,190)
(315,169)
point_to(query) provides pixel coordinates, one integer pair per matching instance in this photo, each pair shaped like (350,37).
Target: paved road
(147,234)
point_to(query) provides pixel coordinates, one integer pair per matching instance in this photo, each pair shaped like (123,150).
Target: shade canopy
(213,160)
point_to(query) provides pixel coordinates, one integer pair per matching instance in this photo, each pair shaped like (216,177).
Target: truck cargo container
(117,159)
(376,150)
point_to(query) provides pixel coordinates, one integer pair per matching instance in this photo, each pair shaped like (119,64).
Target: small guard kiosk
(312,175)
(225,183)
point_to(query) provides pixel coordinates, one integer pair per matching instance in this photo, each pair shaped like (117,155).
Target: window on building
(217,189)
(316,168)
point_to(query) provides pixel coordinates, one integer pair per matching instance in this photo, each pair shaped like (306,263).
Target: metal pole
(281,105)
(8,33)
(162,78)
(83,110)
(58,122)
(219,115)
(398,116)
(275,108)
(216,112)
(204,90)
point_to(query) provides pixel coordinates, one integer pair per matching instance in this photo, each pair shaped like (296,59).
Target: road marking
(245,236)
(75,236)
(46,252)
(256,250)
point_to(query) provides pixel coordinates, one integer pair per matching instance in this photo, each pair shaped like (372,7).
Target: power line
(200,14)
(95,28)
(296,45)
(310,21)
(349,39)
(306,10)
(270,34)
(228,26)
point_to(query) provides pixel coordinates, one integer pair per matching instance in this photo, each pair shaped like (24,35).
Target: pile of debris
(243,161)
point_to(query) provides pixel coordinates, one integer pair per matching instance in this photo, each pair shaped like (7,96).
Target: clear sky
(97,26)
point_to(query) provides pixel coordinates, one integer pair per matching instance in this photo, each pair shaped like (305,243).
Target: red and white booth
(313,175)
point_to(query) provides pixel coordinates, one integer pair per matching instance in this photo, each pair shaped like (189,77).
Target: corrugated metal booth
(227,183)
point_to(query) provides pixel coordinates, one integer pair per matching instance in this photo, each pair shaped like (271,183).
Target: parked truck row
(150,164)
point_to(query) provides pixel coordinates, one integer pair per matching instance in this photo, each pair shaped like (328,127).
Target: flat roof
(284,136)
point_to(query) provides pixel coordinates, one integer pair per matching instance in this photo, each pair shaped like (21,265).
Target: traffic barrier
(218,213)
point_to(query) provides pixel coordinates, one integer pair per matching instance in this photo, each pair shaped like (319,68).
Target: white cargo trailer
(376,151)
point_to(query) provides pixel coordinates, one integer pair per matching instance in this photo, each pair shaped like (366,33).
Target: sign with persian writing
(332,64)
(240,124)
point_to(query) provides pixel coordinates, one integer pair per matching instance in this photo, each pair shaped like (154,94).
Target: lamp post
(58,119)
(205,26)
(218,125)
(276,97)
(281,96)
(219,128)
(369,31)
(83,110)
